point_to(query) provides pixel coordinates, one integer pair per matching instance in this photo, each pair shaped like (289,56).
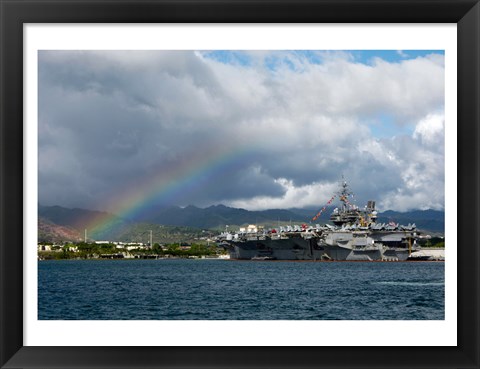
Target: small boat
(263,258)
(418,256)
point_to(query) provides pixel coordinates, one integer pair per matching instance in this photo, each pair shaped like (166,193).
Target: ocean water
(237,290)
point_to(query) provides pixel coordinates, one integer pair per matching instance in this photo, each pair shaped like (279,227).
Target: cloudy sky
(250,129)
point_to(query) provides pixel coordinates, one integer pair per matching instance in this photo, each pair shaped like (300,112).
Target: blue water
(231,290)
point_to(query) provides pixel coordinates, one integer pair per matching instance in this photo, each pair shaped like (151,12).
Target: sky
(126,131)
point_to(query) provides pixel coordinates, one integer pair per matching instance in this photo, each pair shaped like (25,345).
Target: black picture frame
(15,13)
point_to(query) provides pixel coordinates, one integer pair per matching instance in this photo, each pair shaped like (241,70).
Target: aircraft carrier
(354,235)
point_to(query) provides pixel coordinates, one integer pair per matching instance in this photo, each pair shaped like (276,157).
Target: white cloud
(109,117)
(422,168)
(430,130)
(293,197)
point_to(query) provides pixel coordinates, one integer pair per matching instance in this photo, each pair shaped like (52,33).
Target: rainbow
(171,183)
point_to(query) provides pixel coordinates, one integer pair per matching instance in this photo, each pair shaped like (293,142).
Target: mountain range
(52,232)
(214,217)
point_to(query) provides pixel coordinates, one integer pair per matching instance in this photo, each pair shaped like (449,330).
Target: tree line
(85,250)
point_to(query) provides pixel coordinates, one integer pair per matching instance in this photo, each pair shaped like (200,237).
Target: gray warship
(354,235)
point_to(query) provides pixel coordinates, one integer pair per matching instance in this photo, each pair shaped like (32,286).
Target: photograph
(291,185)
(227,184)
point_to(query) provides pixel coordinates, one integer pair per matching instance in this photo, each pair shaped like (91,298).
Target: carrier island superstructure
(354,235)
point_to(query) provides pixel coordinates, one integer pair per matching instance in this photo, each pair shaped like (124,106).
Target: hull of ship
(337,253)
(336,246)
(374,253)
(397,254)
(249,251)
(276,249)
(351,246)
(300,249)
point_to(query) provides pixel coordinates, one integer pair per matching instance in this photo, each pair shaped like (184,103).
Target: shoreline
(261,261)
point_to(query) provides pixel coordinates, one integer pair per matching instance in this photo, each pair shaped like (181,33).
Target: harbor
(206,289)
(354,234)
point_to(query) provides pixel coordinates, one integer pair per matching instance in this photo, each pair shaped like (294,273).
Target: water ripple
(230,290)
